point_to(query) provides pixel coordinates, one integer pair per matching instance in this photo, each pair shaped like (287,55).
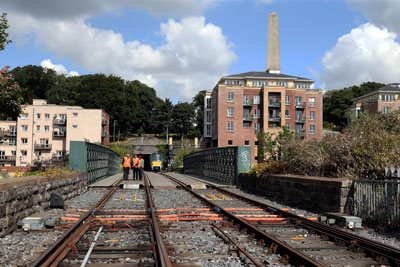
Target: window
(287,114)
(47,116)
(75,114)
(24,128)
(259,83)
(24,152)
(13,153)
(38,116)
(386,110)
(208,129)
(281,83)
(231,97)
(298,100)
(387,97)
(256,143)
(24,140)
(37,128)
(312,115)
(208,102)
(312,129)
(38,153)
(246,99)
(246,124)
(311,102)
(24,116)
(230,142)
(208,116)
(74,126)
(302,85)
(231,112)
(256,99)
(230,126)
(256,126)
(46,128)
(287,100)
(233,82)
(256,113)
(12,142)
(246,142)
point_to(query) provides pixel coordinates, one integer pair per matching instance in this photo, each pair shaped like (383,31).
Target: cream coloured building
(44,131)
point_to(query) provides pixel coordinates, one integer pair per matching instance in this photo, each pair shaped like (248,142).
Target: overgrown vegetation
(180,154)
(121,148)
(362,150)
(47,172)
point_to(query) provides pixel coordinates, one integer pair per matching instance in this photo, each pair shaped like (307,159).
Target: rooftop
(266,75)
(390,88)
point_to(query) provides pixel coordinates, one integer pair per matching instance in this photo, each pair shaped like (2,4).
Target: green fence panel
(223,164)
(96,160)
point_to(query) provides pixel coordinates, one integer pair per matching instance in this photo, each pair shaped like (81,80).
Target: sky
(180,47)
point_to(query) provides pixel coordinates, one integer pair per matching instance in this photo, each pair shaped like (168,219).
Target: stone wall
(316,194)
(21,197)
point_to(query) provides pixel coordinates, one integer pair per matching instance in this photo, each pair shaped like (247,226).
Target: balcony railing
(274,119)
(300,120)
(7,158)
(59,133)
(301,133)
(248,117)
(274,104)
(103,122)
(104,133)
(300,105)
(8,133)
(59,121)
(247,103)
(43,146)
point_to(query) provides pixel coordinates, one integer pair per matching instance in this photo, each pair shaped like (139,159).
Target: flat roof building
(44,131)
(241,104)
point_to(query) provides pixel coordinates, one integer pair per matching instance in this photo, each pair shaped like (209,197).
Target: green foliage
(337,102)
(178,158)
(3,34)
(198,103)
(121,149)
(11,99)
(183,118)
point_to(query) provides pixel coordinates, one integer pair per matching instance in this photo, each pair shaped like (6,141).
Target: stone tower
(273,55)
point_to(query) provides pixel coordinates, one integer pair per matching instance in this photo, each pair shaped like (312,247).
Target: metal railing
(248,103)
(7,158)
(248,117)
(59,133)
(300,105)
(274,119)
(96,160)
(8,133)
(43,146)
(274,103)
(300,119)
(59,121)
(223,164)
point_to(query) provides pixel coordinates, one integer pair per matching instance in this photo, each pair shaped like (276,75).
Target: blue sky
(182,46)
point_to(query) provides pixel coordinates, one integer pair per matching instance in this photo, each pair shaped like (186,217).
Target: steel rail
(52,253)
(371,247)
(294,256)
(161,249)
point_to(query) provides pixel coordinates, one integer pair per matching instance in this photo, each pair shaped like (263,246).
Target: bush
(178,158)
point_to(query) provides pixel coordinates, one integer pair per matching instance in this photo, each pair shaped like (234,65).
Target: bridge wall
(96,160)
(223,164)
(316,194)
(21,197)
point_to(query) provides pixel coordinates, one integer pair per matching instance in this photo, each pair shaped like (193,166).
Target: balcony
(274,104)
(43,146)
(301,133)
(7,158)
(300,120)
(248,118)
(104,133)
(274,119)
(8,133)
(103,122)
(59,133)
(248,103)
(59,121)
(300,105)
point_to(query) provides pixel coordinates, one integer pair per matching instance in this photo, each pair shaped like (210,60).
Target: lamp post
(114,131)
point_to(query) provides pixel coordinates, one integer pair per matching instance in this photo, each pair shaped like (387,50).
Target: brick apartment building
(44,131)
(244,103)
(384,99)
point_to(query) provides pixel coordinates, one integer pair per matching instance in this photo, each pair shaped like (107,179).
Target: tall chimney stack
(273,55)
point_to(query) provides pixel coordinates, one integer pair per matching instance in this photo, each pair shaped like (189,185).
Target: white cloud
(265,1)
(367,53)
(194,54)
(59,68)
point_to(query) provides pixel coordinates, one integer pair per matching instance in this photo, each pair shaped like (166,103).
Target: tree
(11,99)
(163,116)
(183,118)
(337,102)
(198,103)
(3,34)
(35,81)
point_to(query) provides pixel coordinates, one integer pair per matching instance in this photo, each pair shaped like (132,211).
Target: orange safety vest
(127,162)
(140,163)
(135,162)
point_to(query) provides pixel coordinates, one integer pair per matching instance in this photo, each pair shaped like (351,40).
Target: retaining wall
(21,197)
(316,194)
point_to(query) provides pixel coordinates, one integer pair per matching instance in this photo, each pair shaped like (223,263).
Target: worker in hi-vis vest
(135,167)
(126,164)
(141,166)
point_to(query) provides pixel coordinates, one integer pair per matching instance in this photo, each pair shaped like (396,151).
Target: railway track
(299,241)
